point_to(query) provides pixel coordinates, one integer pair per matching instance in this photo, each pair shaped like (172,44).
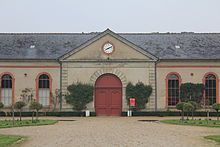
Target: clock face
(108,48)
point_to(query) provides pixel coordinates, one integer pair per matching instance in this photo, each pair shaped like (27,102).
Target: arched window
(44,90)
(210,89)
(173,87)
(6,89)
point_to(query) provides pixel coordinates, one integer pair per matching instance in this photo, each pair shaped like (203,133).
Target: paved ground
(113,131)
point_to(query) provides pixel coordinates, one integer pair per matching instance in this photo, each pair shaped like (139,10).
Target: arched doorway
(108,95)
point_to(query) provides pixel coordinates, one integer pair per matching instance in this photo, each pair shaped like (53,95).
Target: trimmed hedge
(143,113)
(168,113)
(58,114)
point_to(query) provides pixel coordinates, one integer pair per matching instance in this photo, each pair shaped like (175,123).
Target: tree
(79,95)
(55,98)
(191,92)
(207,107)
(36,106)
(195,106)
(188,107)
(179,106)
(19,105)
(13,112)
(216,107)
(140,92)
(27,95)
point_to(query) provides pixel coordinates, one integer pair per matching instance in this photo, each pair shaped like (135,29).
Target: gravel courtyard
(113,131)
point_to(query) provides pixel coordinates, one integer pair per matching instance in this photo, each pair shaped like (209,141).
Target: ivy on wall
(192,92)
(79,95)
(140,92)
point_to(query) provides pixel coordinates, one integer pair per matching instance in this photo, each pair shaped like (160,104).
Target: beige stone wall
(198,68)
(88,73)
(127,62)
(19,68)
(127,71)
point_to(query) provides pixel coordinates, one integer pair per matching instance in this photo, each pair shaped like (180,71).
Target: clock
(108,48)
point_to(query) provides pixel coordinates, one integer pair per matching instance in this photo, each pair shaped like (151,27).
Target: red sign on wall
(132,102)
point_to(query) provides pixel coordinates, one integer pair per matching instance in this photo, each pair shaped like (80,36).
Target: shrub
(36,106)
(19,105)
(179,106)
(195,106)
(140,92)
(1,105)
(216,107)
(79,95)
(188,107)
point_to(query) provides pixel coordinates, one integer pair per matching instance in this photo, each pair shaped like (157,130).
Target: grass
(214,137)
(17,123)
(6,140)
(207,123)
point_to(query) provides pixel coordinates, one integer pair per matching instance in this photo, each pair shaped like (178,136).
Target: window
(44,90)
(210,89)
(6,89)
(173,90)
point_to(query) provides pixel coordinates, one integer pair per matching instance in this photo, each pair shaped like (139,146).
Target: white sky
(118,15)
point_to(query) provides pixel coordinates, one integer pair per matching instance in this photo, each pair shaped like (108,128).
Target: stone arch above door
(116,72)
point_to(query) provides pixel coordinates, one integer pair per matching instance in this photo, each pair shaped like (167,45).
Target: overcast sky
(118,15)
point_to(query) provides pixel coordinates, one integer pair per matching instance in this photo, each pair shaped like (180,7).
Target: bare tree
(55,98)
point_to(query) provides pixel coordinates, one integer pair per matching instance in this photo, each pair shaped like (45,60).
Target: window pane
(173,90)
(6,81)
(44,90)
(43,76)
(173,76)
(210,91)
(44,81)
(169,83)
(44,97)
(6,96)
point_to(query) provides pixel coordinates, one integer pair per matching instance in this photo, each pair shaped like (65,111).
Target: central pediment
(108,45)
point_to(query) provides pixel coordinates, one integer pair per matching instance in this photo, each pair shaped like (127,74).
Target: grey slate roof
(163,46)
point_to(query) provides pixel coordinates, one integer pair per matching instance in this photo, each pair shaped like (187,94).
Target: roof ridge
(92,33)
(168,33)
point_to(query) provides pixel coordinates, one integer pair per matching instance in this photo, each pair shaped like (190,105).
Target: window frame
(50,87)
(217,87)
(167,86)
(13,85)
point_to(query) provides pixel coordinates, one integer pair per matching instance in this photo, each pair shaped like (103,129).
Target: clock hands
(108,48)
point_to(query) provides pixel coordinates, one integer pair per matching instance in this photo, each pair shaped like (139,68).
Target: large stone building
(107,60)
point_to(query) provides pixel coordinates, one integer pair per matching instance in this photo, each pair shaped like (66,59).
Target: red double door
(108,95)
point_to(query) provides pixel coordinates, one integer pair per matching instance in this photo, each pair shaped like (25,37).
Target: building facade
(47,63)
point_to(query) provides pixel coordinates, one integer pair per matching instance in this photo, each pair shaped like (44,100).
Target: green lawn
(17,123)
(6,140)
(210,123)
(215,138)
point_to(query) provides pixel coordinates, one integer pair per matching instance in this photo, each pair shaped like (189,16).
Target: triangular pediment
(123,49)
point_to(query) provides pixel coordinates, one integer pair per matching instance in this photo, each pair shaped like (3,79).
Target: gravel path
(113,131)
